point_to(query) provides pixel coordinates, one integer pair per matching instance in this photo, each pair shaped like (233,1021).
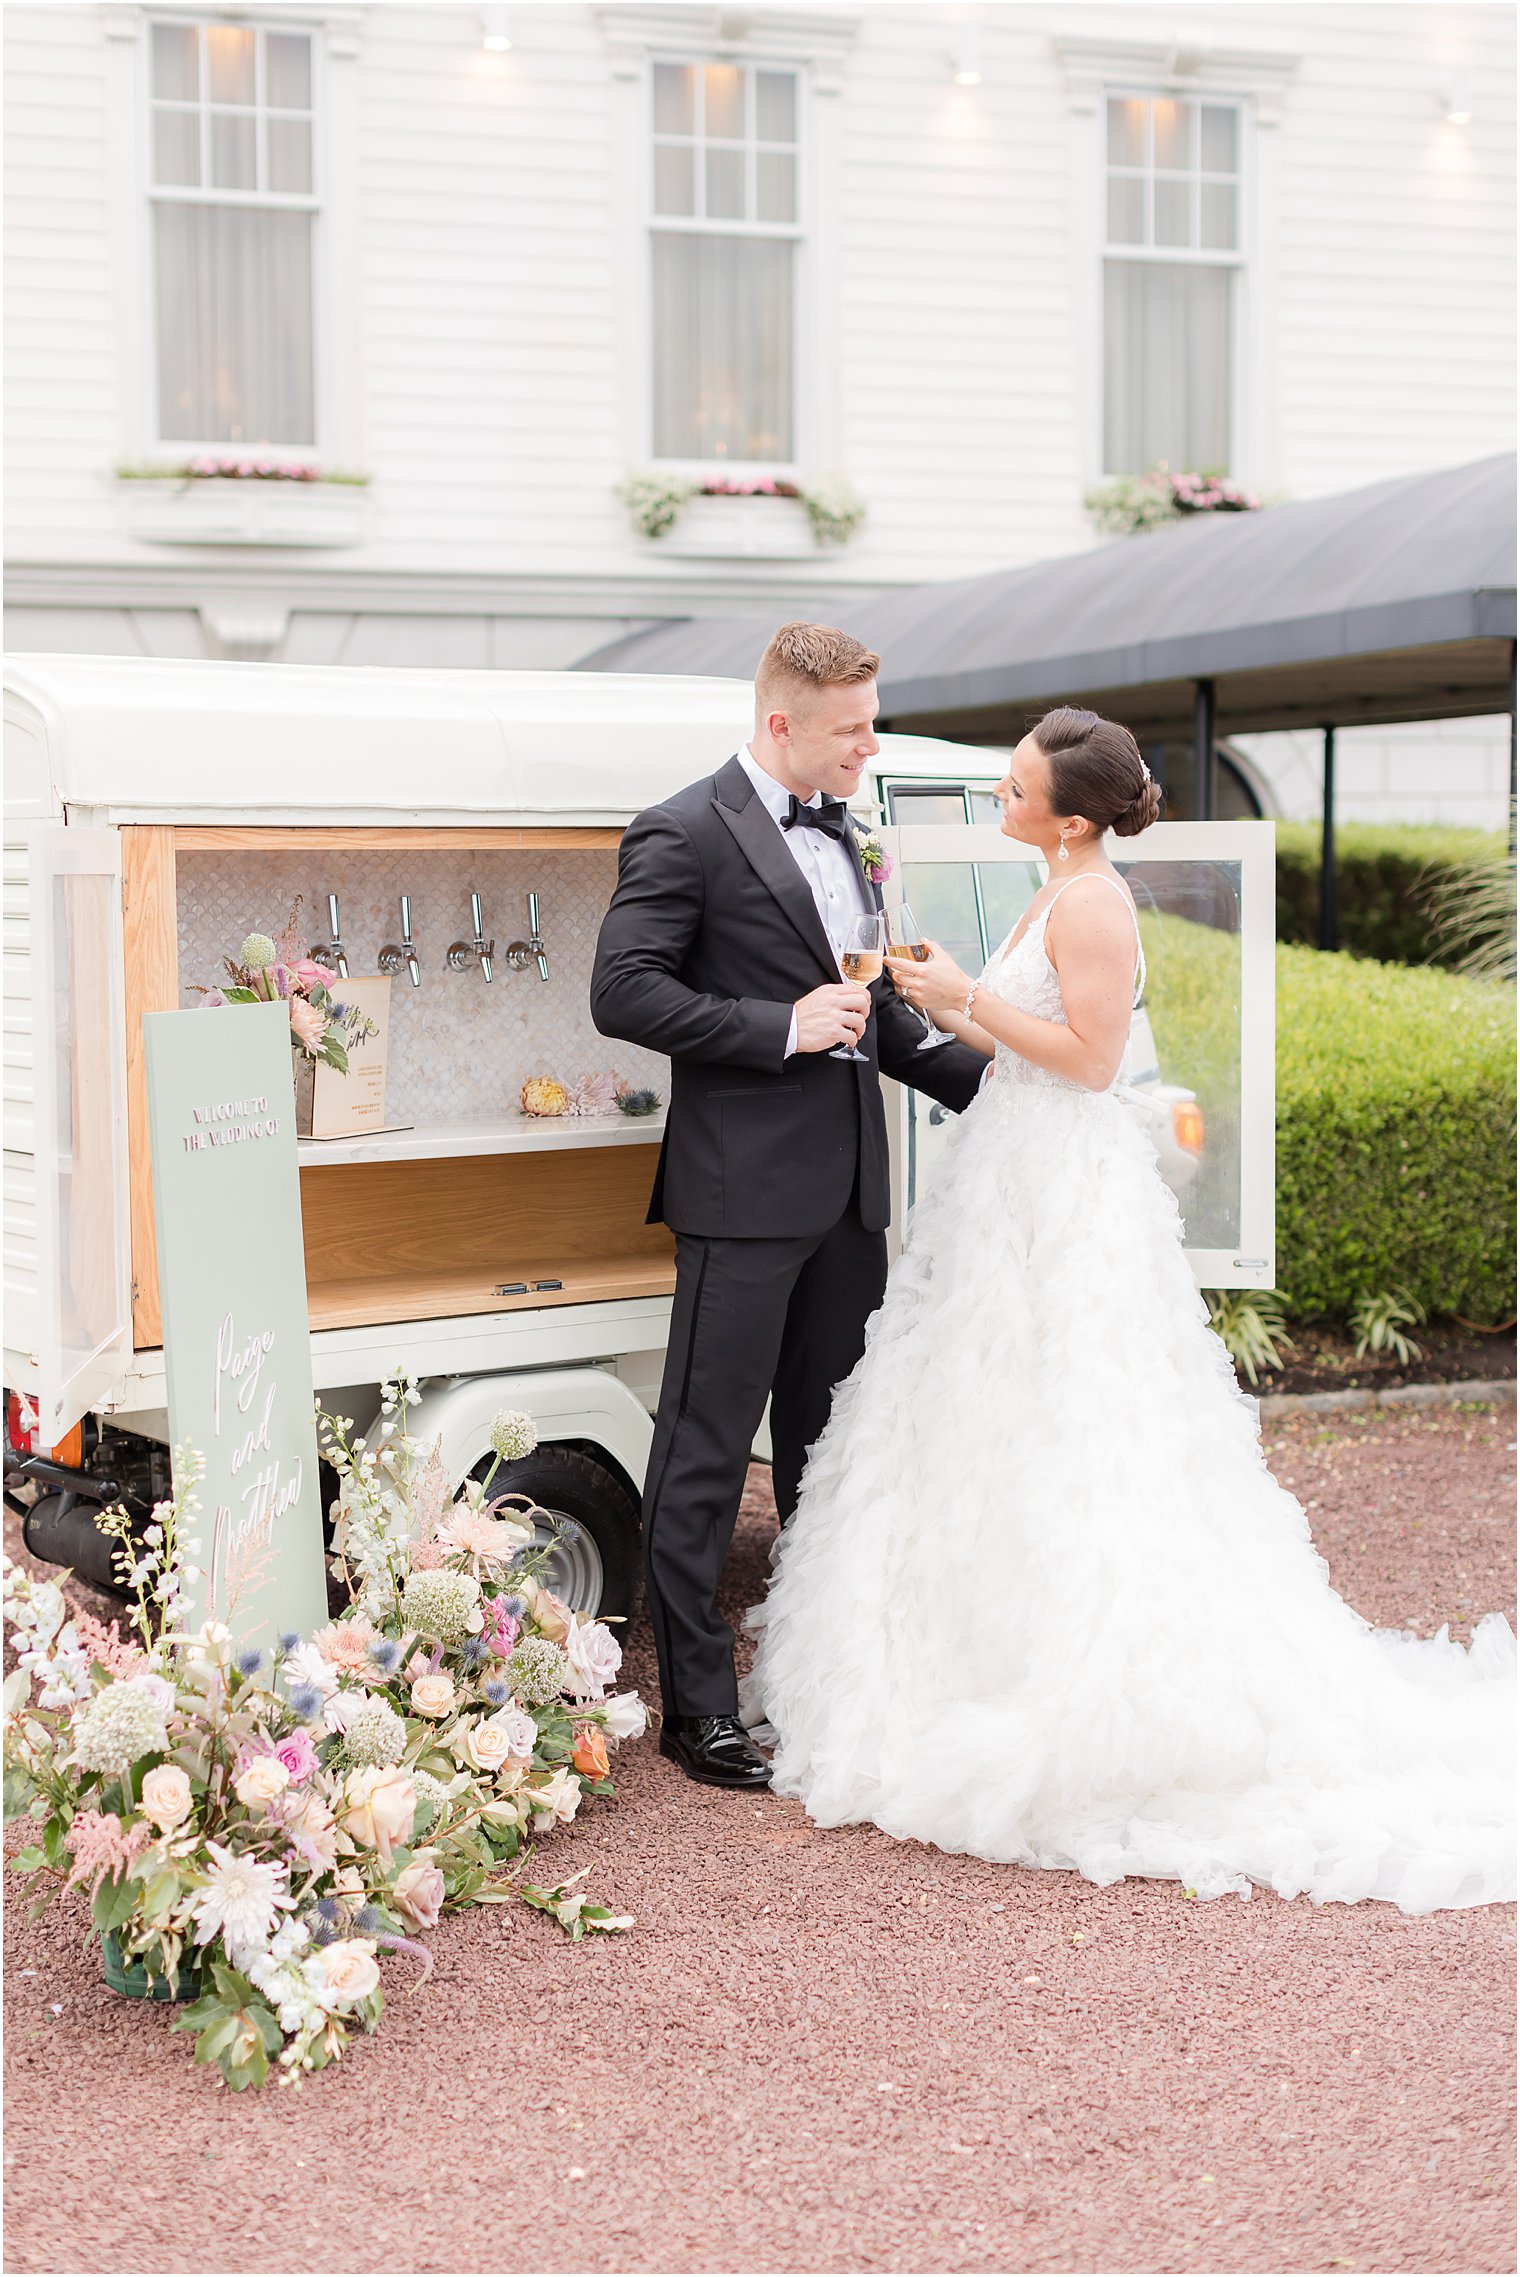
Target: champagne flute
(861,954)
(905,940)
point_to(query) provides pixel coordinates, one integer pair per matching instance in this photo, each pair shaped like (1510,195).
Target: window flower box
(744,520)
(184,509)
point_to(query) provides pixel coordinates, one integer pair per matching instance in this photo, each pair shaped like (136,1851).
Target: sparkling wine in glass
(861,954)
(905,940)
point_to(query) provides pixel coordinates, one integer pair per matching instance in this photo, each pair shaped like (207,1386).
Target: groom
(717,950)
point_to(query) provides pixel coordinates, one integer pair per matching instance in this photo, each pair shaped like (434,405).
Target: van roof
(162,739)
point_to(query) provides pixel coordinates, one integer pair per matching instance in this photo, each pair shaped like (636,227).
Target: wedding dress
(1042,1600)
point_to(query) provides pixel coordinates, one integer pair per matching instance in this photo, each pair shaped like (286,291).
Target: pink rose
(298,1755)
(418,1894)
(307,973)
(307,1024)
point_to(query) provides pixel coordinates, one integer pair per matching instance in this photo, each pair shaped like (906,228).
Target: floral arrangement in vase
(267,969)
(257,1829)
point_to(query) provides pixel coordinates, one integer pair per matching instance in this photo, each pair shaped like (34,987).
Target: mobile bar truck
(438,849)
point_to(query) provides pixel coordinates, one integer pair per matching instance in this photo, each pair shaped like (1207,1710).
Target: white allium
(513,1434)
(445,1606)
(375,1735)
(537,1672)
(121,1724)
(258,952)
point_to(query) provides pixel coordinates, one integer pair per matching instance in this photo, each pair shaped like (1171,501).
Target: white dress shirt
(831,871)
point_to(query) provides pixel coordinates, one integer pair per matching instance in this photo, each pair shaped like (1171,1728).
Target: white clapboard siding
(19,1217)
(492,354)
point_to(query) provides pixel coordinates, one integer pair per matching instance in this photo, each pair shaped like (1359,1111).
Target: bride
(1042,1599)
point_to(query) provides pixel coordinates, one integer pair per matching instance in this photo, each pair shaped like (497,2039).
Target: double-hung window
(1171,282)
(725,246)
(234,211)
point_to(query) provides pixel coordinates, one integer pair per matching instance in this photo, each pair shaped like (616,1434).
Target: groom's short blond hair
(802,658)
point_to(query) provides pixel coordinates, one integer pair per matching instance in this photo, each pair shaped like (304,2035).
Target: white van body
(236,763)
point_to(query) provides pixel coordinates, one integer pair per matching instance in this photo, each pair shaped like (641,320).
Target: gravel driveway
(834,2052)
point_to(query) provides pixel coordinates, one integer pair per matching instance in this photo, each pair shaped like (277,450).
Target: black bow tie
(828,815)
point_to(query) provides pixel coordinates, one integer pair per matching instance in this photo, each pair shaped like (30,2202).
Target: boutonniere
(874,858)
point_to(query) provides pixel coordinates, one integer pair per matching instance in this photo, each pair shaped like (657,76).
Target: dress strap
(1104,879)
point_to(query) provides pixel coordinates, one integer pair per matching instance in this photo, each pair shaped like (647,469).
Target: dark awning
(1394,602)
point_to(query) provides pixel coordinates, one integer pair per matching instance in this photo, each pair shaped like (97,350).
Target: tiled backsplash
(459,1045)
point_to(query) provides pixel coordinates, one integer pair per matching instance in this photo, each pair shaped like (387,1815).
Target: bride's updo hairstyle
(1096,771)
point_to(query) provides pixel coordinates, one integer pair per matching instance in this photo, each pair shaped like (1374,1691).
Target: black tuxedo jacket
(710,939)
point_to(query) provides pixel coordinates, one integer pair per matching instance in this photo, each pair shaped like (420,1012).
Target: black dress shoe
(716,1750)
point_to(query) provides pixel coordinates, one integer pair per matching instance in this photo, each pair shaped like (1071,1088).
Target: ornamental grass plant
(271,1822)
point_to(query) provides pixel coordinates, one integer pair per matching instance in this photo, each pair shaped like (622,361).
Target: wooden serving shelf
(429,1239)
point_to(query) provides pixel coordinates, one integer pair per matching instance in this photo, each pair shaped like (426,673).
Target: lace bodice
(1023,976)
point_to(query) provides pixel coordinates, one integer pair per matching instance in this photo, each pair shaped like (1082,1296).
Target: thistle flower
(513,1434)
(386,1655)
(306,1703)
(120,1725)
(441,1605)
(496,1692)
(258,952)
(375,1735)
(472,1652)
(249,1663)
(537,1672)
(289,1639)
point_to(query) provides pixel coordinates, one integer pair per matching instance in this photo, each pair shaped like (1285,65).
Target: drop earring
(1063,855)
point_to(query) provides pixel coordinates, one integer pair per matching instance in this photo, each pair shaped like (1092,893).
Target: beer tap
(463,954)
(332,953)
(396,954)
(520,953)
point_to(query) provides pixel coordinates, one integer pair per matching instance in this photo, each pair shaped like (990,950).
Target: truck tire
(598,1564)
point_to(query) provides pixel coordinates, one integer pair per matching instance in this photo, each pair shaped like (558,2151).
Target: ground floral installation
(258,1829)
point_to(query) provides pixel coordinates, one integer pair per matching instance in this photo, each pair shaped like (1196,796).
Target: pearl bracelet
(970,999)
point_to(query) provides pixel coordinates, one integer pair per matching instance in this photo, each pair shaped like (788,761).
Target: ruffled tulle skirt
(1042,1601)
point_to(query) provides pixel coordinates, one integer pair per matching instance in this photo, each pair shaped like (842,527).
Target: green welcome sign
(232,1281)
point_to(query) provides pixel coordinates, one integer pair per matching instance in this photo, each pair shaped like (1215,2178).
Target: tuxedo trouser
(784,1317)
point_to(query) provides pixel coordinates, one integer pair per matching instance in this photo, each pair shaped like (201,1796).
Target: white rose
(521,1730)
(595,1656)
(558,1799)
(625,1714)
(486,1746)
(260,1781)
(166,1797)
(381,1805)
(348,1969)
(433,1695)
(157,1688)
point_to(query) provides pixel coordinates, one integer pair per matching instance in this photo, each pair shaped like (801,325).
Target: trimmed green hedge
(1383,872)
(1395,1118)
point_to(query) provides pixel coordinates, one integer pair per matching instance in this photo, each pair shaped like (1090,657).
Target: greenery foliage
(1379,1320)
(1395,1119)
(1406,893)
(1252,1326)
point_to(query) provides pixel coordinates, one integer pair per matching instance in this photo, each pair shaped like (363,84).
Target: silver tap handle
(533,915)
(406,917)
(475,916)
(332,916)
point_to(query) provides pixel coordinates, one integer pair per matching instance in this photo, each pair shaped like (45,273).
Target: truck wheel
(596,1565)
